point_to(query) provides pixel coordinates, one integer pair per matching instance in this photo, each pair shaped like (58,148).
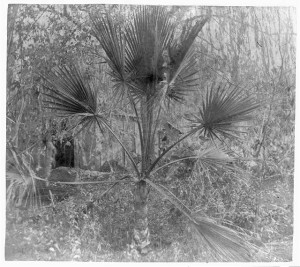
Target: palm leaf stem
(9,175)
(120,142)
(112,186)
(147,123)
(172,162)
(156,124)
(177,199)
(86,125)
(173,199)
(143,113)
(169,148)
(150,144)
(138,120)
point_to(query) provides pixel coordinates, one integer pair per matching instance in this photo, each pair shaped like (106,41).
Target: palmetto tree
(152,65)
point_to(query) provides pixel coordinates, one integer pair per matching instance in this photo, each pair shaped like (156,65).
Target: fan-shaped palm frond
(148,36)
(70,95)
(134,53)
(183,81)
(227,243)
(21,181)
(181,46)
(179,67)
(110,37)
(215,159)
(221,111)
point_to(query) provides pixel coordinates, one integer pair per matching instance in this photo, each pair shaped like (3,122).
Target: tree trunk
(141,233)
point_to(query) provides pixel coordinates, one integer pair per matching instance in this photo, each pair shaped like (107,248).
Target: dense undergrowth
(69,230)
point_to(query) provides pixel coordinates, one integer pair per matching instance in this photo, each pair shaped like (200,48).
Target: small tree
(152,65)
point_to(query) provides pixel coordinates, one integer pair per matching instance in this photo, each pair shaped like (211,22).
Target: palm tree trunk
(141,233)
(147,129)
